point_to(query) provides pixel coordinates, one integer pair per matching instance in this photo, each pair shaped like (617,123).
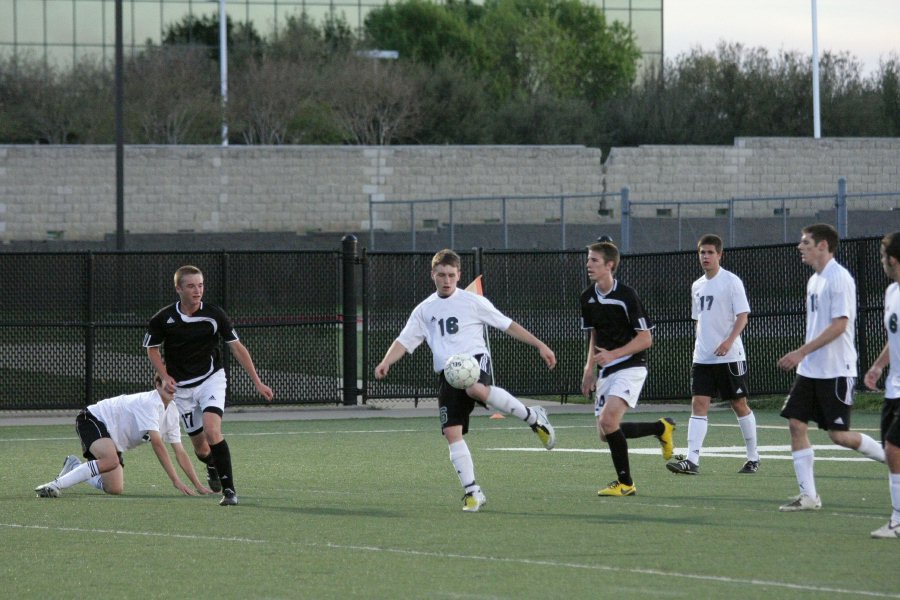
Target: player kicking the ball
(452,322)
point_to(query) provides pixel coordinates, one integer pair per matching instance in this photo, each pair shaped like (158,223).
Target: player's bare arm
(874,373)
(394,353)
(184,461)
(159,448)
(159,364)
(589,378)
(740,322)
(523,335)
(240,352)
(640,342)
(790,360)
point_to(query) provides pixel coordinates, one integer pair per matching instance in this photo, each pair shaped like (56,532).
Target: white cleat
(543,428)
(889,531)
(48,490)
(473,501)
(802,502)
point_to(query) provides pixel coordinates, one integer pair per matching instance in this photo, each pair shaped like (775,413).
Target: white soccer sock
(462,462)
(894,480)
(870,448)
(803,468)
(96,482)
(697,428)
(501,400)
(82,472)
(748,430)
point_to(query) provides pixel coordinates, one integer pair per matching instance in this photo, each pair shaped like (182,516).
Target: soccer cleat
(615,488)
(70,463)
(887,532)
(48,490)
(683,467)
(543,428)
(212,479)
(665,438)
(229,498)
(802,502)
(751,466)
(473,501)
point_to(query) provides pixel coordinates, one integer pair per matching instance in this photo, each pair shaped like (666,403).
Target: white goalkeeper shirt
(131,417)
(451,325)
(830,295)
(716,303)
(891,316)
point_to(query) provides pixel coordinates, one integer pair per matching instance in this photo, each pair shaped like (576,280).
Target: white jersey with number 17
(716,303)
(452,325)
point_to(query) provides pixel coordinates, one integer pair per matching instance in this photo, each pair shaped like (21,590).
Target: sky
(868,29)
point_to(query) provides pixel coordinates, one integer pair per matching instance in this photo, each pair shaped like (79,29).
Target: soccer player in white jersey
(451,321)
(826,364)
(720,308)
(115,425)
(890,356)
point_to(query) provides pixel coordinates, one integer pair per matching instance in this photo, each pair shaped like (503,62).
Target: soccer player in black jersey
(189,332)
(619,339)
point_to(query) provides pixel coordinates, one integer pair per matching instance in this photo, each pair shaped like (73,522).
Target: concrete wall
(68,192)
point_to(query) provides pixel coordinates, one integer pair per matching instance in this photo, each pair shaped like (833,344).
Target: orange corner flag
(475,287)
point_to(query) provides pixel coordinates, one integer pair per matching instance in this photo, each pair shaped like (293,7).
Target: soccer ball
(461,371)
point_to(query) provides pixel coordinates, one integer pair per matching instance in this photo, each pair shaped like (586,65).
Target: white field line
(474,558)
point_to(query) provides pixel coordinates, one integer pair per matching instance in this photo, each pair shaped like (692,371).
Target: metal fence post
(348,322)
(841,208)
(626,222)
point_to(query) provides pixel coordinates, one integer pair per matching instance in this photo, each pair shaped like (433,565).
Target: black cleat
(212,479)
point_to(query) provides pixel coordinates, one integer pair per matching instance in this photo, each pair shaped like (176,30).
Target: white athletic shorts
(193,401)
(626,384)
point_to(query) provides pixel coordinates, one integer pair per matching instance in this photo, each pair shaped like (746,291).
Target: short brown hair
(445,257)
(891,244)
(609,252)
(185,270)
(823,232)
(711,239)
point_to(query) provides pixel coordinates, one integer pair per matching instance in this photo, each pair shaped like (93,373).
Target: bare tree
(375,102)
(170,96)
(266,98)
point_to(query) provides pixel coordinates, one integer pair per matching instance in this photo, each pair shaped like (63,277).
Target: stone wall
(68,192)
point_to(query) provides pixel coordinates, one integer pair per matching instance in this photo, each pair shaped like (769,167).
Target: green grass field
(370,508)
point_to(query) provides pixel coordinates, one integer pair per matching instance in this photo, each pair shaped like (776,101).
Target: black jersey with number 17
(615,318)
(190,343)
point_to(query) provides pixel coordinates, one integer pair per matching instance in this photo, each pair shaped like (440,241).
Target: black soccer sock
(618,447)
(222,459)
(638,430)
(207,460)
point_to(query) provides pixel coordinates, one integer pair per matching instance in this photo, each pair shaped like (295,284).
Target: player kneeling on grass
(112,426)
(452,322)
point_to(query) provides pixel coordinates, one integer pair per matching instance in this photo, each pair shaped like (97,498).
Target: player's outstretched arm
(523,335)
(163,455)
(159,364)
(184,461)
(393,354)
(240,352)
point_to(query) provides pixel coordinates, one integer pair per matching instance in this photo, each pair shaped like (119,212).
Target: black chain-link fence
(71,325)
(541,291)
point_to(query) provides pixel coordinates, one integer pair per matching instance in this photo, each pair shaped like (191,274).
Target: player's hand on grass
(202,490)
(179,485)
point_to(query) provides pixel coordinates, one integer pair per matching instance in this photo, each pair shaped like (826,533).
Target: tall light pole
(817,124)
(223,68)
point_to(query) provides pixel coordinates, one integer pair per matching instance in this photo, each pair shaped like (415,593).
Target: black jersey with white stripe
(615,318)
(190,343)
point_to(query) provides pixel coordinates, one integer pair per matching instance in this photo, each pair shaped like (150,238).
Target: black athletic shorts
(890,421)
(727,381)
(825,401)
(90,429)
(455,405)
